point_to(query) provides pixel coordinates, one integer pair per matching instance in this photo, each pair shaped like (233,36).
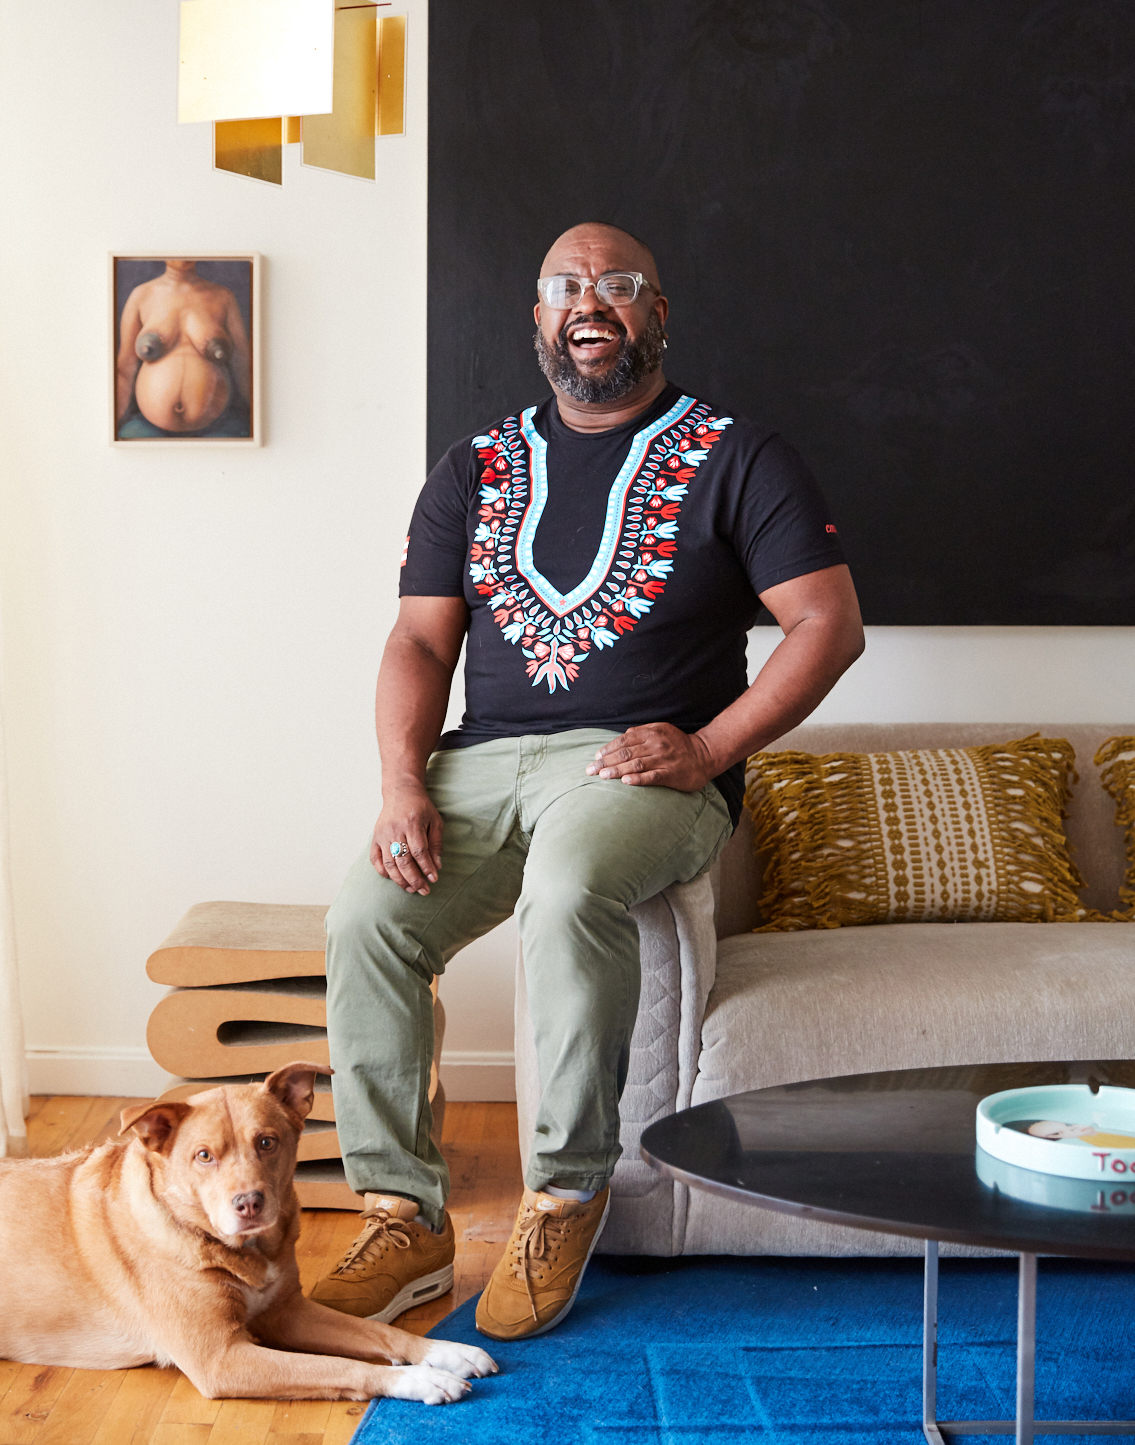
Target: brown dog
(179,1247)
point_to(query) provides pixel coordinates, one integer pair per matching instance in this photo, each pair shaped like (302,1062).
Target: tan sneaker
(392,1266)
(538,1277)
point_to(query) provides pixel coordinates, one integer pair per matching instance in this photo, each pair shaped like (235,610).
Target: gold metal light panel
(247,59)
(344,140)
(255,67)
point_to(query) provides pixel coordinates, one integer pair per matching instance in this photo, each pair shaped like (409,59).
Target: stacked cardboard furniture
(248,993)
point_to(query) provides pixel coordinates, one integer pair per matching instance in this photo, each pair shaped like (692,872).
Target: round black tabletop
(896,1152)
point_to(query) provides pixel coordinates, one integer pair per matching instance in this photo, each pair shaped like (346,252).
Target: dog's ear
(294,1086)
(155,1124)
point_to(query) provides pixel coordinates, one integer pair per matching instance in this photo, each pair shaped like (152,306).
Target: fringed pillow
(1116,758)
(938,835)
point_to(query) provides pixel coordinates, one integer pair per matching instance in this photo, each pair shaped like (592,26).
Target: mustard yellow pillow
(1117,759)
(938,835)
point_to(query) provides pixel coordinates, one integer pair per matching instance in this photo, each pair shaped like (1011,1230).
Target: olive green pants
(527,830)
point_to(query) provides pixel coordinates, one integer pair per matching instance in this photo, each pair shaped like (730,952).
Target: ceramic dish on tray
(1063,1129)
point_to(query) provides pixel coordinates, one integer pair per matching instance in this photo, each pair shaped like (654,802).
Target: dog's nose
(249,1205)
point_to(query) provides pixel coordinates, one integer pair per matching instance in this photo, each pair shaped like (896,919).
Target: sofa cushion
(1096,843)
(809,1005)
(929,835)
(1116,759)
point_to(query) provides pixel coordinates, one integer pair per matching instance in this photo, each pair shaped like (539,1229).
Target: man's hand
(410,819)
(823,636)
(658,755)
(409,710)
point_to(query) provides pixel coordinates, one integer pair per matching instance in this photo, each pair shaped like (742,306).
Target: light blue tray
(1084,1154)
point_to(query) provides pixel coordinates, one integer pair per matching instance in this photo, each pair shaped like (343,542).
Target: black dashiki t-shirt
(611,577)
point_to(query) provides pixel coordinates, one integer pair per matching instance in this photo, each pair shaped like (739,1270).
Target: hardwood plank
(421,1319)
(307,1439)
(344,1421)
(187,1406)
(104,1123)
(70,1121)
(111,1127)
(30,1400)
(81,1408)
(137,1406)
(180,1434)
(243,1422)
(63,1119)
(344,1225)
(317,1251)
(316,1228)
(9,1370)
(462,1142)
(301,1417)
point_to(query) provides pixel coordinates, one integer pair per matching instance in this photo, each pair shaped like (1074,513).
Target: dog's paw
(424,1382)
(463,1360)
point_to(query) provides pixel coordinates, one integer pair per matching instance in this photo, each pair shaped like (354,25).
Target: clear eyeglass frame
(601,286)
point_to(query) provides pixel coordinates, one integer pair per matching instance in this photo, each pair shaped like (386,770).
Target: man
(601,556)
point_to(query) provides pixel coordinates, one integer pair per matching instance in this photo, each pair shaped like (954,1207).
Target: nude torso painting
(183,365)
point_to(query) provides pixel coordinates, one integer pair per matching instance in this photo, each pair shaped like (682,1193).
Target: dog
(177,1246)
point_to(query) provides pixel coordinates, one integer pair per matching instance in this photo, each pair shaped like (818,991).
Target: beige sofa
(724,1010)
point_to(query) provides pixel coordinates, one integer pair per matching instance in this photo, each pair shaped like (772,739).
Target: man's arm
(823,635)
(409,711)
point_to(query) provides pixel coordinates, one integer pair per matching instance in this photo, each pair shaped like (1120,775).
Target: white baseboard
(478,1076)
(471,1075)
(95,1069)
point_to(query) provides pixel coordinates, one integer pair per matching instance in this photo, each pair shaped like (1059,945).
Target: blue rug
(784,1352)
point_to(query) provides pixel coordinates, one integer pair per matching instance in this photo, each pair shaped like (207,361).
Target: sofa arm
(679,958)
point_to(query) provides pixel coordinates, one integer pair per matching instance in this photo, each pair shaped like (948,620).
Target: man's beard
(635,360)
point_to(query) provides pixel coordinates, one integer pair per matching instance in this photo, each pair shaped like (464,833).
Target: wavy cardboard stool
(248,995)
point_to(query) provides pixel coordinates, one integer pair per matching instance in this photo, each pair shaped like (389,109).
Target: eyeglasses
(614,288)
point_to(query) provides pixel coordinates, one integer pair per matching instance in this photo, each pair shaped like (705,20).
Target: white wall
(191,639)
(980,674)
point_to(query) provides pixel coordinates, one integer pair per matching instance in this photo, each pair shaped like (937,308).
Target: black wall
(901,231)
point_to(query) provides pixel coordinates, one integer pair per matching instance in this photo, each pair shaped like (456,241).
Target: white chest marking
(258,1300)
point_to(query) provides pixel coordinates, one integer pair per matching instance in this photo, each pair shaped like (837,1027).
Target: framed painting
(185,350)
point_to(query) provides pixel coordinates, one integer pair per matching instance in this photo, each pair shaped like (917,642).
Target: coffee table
(896,1152)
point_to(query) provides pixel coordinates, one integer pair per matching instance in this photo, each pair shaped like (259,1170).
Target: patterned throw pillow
(939,835)
(1116,758)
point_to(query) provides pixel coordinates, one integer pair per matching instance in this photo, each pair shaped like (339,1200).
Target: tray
(1095,1128)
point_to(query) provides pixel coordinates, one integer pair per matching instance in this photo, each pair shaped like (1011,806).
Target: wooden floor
(51,1406)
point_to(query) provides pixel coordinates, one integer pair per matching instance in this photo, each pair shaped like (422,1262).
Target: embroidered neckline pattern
(556,632)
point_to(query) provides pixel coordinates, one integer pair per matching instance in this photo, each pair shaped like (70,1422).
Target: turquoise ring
(397,849)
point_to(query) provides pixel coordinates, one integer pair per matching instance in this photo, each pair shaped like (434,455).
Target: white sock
(585,1196)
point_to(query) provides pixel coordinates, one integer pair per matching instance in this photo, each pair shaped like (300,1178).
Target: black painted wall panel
(901,231)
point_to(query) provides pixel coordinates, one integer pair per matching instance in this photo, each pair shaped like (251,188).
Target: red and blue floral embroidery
(557,631)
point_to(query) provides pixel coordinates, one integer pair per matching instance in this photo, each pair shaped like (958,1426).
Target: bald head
(602,354)
(594,247)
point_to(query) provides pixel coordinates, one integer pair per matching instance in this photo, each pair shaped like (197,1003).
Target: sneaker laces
(532,1245)
(382,1232)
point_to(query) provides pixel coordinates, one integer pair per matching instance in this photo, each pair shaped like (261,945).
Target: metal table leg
(930,1346)
(1024,1428)
(1026,1347)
